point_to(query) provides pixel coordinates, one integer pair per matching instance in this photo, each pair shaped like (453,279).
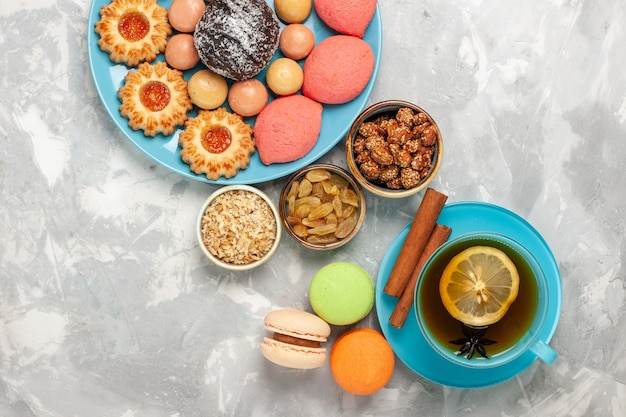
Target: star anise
(473,341)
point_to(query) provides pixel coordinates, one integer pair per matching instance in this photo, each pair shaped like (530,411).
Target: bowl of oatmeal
(394,149)
(238,227)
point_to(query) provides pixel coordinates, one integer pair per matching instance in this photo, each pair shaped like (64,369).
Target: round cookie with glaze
(338,69)
(247,97)
(341,293)
(216,143)
(237,38)
(207,89)
(154,99)
(296,340)
(133,31)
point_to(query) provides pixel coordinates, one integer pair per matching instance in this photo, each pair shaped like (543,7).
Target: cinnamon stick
(440,234)
(413,246)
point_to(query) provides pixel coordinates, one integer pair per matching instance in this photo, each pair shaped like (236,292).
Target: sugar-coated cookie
(287,129)
(338,69)
(349,17)
(237,38)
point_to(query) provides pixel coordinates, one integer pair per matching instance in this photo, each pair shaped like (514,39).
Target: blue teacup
(515,334)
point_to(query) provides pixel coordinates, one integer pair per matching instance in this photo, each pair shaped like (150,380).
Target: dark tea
(506,332)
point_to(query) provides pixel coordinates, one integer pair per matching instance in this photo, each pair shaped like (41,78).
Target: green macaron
(341,293)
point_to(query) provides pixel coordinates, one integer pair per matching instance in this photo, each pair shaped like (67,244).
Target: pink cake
(349,17)
(338,69)
(287,129)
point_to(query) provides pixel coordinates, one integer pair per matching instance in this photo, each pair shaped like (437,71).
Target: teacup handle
(544,352)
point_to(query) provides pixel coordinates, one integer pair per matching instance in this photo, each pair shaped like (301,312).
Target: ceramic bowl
(323,182)
(385,159)
(238,227)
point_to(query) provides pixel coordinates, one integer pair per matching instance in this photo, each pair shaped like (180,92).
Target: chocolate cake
(237,38)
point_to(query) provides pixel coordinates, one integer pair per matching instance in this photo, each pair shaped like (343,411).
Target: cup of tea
(485,346)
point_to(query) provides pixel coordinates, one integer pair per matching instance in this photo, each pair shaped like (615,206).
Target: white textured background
(107,307)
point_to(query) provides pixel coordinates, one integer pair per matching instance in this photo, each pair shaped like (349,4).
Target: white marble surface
(107,307)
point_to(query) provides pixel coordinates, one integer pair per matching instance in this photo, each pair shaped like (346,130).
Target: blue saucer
(408,343)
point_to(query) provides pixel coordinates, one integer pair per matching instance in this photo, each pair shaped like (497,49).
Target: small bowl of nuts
(322,206)
(238,227)
(394,149)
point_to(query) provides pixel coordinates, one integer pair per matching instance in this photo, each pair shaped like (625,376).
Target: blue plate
(336,119)
(409,344)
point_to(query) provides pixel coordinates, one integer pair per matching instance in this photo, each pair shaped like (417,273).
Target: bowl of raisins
(322,207)
(394,149)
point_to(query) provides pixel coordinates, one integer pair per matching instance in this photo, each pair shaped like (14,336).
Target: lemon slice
(478,286)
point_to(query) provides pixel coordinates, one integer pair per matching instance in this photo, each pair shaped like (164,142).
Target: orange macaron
(362,361)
